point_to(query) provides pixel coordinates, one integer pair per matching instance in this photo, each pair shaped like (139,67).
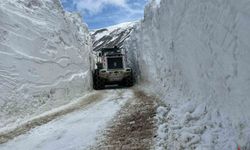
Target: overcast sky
(102,13)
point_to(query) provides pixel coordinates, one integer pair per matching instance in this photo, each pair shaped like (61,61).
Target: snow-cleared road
(107,119)
(133,127)
(75,130)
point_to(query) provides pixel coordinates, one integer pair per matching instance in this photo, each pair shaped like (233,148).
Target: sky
(102,13)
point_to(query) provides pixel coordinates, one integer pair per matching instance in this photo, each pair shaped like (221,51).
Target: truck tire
(98,83)
(129,80)
(94,76)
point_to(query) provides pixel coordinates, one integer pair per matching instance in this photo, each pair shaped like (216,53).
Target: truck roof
(114,50)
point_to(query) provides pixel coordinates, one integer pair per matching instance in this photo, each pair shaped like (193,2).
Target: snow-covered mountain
(44,58)
(112,36)
(195,55)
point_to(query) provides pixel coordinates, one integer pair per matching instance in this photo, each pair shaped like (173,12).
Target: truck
(111,68)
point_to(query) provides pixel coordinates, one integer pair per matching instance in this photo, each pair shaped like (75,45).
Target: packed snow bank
(195,55)
(44,58)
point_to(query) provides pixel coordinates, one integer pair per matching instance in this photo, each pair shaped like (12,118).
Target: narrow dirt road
(74,128)
(133,128)
(106,120)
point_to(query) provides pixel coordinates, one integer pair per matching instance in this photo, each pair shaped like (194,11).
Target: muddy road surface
(133,127)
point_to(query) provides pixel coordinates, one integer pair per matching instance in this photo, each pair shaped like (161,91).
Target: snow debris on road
(191,126)
(73,131)
(10,132)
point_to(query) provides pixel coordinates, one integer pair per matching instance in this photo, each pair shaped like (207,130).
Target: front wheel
(98,83)
(128,82)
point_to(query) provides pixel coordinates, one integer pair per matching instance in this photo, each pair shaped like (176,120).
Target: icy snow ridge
(199,50)
(43,58)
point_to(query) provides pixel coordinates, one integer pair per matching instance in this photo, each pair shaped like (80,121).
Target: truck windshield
(115,63)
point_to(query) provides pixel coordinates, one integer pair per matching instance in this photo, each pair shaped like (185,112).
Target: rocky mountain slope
(44,58)
(112,36)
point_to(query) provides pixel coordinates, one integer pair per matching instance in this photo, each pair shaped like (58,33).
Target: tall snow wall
(199,48)
(44,58)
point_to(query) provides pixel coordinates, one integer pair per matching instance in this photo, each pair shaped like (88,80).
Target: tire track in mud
(27,126)
(134,126)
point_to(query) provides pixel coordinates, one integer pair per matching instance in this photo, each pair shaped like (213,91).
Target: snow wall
(44,58)
(201,49)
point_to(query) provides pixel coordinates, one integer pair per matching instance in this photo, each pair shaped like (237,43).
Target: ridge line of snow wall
(199,49)
(44,58)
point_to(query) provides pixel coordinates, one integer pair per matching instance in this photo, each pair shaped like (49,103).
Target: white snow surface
(44,58)
(195,56)
(74,131)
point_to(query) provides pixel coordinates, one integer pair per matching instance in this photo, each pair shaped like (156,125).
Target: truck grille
(115,63)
